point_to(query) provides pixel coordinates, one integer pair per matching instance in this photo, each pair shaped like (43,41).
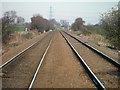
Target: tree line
(8,25)
(110,23)
(108,26)
(10,20)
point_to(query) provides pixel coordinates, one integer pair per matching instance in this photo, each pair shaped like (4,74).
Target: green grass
(97,30)
(20,28)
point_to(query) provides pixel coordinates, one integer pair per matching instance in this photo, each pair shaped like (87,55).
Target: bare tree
(8,26)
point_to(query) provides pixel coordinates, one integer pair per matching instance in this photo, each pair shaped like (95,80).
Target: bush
(8,26)
(27,36)
(96,29)
(78,25)
(109,22)
(6,33)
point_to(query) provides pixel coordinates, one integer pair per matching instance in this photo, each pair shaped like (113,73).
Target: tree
(20,20)
(10,15)
(109,22)
(40,23)
(78,24)
(8,25)
(54,24)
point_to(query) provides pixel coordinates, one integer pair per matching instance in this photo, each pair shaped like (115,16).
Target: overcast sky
(70,10)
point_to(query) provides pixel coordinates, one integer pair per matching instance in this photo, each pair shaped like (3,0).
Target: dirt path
(105,71)
(19,73)
(61,68)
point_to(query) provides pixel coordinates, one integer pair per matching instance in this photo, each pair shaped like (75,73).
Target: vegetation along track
(111,60)
(60,68)
(108,73)
(18,74)
(9,57)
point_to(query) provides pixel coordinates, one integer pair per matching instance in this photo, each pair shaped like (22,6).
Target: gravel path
(18,74)
(105,71)
(61,68)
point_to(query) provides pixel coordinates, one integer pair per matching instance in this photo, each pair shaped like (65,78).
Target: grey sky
(89,11)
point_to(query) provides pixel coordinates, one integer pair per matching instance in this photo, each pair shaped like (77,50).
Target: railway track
(111,60)
(19,70)
(93,77)
(32,67)
(40,63)
(35,82)
(91,74)
(107,69)
(13,58)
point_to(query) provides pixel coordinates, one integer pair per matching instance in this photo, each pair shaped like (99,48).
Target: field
(20,28)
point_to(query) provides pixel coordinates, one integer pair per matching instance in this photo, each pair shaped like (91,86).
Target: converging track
(104,67)
(36,72)
(59,61)
(95,80)
(60,68)
(112,61)
(19,72)
(6,59)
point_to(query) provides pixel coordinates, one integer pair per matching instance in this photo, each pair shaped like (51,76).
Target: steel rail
(13,58)
(111,60)
(93,77)
(40,63)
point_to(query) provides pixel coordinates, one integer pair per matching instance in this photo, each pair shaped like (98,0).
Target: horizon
(89,11)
